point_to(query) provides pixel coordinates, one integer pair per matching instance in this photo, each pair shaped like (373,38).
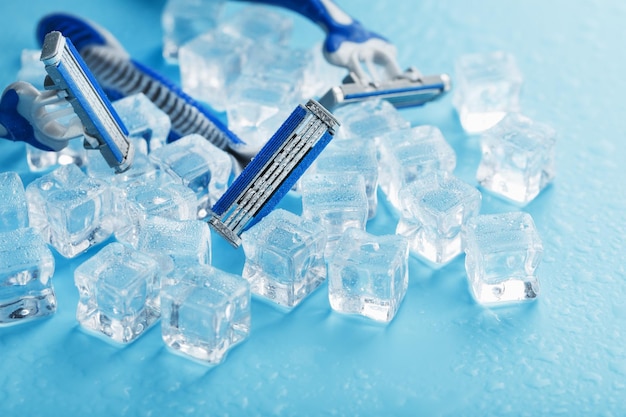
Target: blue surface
(443,354)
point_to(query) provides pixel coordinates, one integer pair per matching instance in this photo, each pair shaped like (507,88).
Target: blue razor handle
(121,76)
(275,169)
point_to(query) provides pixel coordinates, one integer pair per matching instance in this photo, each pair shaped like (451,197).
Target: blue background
(443,354)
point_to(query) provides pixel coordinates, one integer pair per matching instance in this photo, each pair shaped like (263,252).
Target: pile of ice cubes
(154,257)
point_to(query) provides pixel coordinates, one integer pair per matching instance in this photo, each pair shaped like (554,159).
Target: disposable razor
(273,171)
(73,106)
(70,77)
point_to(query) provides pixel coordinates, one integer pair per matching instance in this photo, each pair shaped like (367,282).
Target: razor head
(68,73)
(408,90)
(272,173)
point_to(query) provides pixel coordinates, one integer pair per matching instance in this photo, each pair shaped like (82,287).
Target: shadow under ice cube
(284,257)
(205,313)
(119,293)
(26,268)
(502,254)
(368,275)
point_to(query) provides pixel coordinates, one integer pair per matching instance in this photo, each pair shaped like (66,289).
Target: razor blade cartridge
(273,171)
(68,73)
(408,90)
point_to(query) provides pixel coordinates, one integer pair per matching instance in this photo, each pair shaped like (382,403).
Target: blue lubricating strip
(88,106)
(81,33)
(18,128)
(234,139)
(289,182)
(383,91)
(265,154)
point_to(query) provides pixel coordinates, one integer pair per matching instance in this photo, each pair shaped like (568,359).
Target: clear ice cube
(148,126)
(517,158)
(368,275)
(337,202)
(157,195)
(32,70)
(13,206)
(487,88)
(72,211)
(26,268)
(408,154)
(205,313)
(284,257)
(352,157)
(210,65)
(258,106)
(74,153)
(434,209)
(199,165)
(502,252)
(173,243)
(369,119)
(119,293)
(320,76)
(261,25)
(183,20)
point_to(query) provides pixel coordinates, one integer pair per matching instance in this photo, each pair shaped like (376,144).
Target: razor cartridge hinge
(275,169)
(103,128)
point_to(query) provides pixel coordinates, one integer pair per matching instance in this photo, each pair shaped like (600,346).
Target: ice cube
(210,65)
(368,275)
(406,155)
(284,257)
(119,293)
(258,106)
(517,158)
(337,202)
(32,70)
(13,206)
(72,211)
(434,209)
(352,157)
(205,313)
(74,153)
(183,20)
(487,88)
(320,76)
(502,252)
(155,195)
(148,126)
(261,25)
(369,119)
(26,268)
(199,165)
(173,243)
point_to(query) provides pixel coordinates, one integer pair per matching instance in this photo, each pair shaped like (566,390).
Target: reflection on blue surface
(443,354)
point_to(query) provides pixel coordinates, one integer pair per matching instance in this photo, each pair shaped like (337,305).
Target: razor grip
(16,127)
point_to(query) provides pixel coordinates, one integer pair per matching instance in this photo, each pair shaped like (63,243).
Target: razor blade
(408,90)
(273,171)
(68,73)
